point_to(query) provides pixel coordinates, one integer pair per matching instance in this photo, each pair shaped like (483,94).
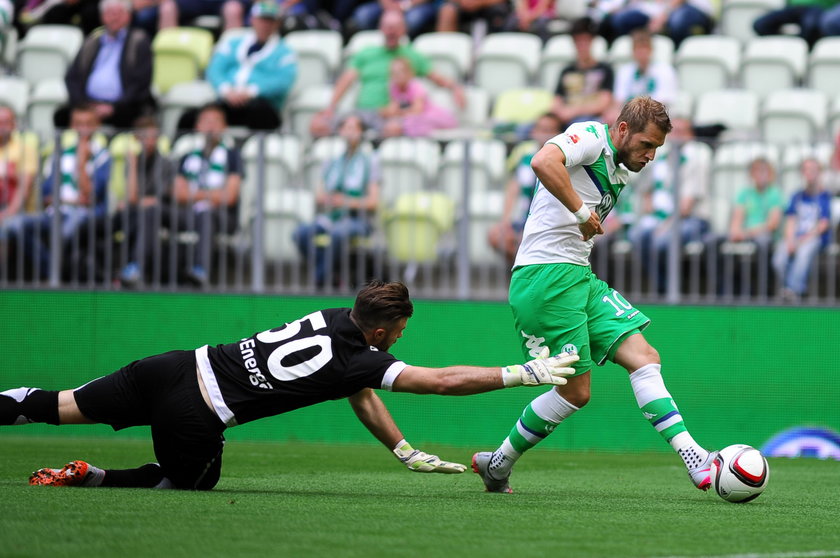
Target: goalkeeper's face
(385,337)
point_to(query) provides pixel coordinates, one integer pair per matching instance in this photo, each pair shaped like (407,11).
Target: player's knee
(651,355)
(576,394)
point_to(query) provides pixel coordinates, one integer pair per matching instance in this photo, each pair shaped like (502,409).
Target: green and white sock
(660,410)
(538,420)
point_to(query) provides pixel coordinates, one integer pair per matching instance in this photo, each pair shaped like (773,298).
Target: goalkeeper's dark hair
(641,111)
(381,304)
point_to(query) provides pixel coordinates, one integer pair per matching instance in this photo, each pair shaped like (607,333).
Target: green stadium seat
(181,54)
(520,106)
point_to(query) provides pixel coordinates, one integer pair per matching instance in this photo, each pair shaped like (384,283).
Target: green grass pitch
(292,499)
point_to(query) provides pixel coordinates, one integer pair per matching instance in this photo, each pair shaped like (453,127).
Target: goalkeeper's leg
(642,362)
(538,420)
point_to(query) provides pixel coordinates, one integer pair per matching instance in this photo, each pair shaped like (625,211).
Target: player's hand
(544,369)
(591,227)
(422,462)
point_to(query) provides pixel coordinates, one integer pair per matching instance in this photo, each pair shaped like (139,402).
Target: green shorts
(568,309)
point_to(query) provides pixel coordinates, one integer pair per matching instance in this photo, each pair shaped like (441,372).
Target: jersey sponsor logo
(574,138)
(592,130)
(255,375)
(533,343)
(605,206)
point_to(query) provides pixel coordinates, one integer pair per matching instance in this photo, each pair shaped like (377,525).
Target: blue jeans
(687,20)
(35,229)
(807,17)
(417,19)
(341,233)
(794,269)
(830,22)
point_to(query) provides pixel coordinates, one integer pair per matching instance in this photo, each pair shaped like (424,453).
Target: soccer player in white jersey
(559,304)
(189,398)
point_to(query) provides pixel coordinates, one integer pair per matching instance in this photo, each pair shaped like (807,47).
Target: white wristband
(582,215)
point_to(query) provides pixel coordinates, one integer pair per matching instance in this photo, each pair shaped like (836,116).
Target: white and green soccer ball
(739,473)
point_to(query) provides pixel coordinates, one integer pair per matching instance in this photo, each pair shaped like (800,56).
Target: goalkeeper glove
(422,462)
(542,370)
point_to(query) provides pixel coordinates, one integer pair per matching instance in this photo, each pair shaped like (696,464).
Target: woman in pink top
(410,112)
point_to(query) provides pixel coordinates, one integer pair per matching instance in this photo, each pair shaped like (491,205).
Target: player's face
(390,335)
(638,149)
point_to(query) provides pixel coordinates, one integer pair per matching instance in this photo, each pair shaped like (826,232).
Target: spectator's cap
(584,26)
(267,10)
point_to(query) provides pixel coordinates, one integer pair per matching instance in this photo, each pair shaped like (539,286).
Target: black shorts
(162,392)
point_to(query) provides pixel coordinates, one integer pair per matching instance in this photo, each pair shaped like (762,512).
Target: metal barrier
(284,233)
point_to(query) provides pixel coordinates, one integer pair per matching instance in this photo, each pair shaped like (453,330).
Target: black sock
(23,405)
(147,476)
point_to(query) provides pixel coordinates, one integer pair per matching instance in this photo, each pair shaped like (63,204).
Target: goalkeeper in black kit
(190,397)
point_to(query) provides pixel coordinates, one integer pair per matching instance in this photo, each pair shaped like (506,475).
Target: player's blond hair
(641,111)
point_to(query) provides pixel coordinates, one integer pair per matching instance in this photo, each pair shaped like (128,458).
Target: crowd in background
(109,85)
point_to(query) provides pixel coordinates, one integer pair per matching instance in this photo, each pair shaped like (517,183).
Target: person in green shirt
(371,67)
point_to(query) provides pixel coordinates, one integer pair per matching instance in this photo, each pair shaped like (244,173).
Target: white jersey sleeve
(580,144)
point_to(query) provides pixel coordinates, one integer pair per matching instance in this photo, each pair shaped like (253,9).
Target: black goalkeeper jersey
(318,357)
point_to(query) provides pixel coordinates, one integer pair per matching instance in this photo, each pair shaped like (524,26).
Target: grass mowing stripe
(812,554)
(295,499)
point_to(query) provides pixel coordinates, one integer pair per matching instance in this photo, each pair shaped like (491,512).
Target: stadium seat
(560,51)
(180,97)
(47,96)
(361,40)
(834,118)
(683,106)
(824,66)
(506,61)
(737,16)
(621,51)
(415,225)
(14,92)
(318,53)
(302,107)
(794,115)
(707,63)
(281,160)
(737,109)
(730,174)
(8,48)
(285,210)
(47,51)
(450,53)
(484,212)
(521,106)
(121,144)
(772,63)
(486,166)
(180,54)
(790,173)
(407,165)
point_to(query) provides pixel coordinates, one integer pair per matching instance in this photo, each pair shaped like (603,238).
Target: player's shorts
(568,309)
(162,392)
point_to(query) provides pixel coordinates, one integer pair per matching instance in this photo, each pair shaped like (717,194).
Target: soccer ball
(739,473)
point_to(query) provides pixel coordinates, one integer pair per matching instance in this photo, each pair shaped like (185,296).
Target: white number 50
(307,367)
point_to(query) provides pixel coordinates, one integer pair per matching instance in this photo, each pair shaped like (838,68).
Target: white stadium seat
(318,53)
(407,165)
(450,53)
(737,109)
(48,95)
(794,115)
(773,63)
(737,16)
(14,92)
(621,51)
(506,61)
(47,51)
(824,66)
(180,97)
(707,63)
(487,168)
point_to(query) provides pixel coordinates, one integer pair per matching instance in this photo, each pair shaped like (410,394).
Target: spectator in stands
(757,214)
(76,188)
(112,71)
(805,233)
(663,200)
(532,16)
(371,66)
(410,112)
(172,13)
(506,235)
(643,76)
(808,15)
(62,12)
(455,14)
(584,90)
(206,189)
(676,18)
(420,15)
(149,176)
(253,73)
(347,199)
(7,17)
(18,166)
